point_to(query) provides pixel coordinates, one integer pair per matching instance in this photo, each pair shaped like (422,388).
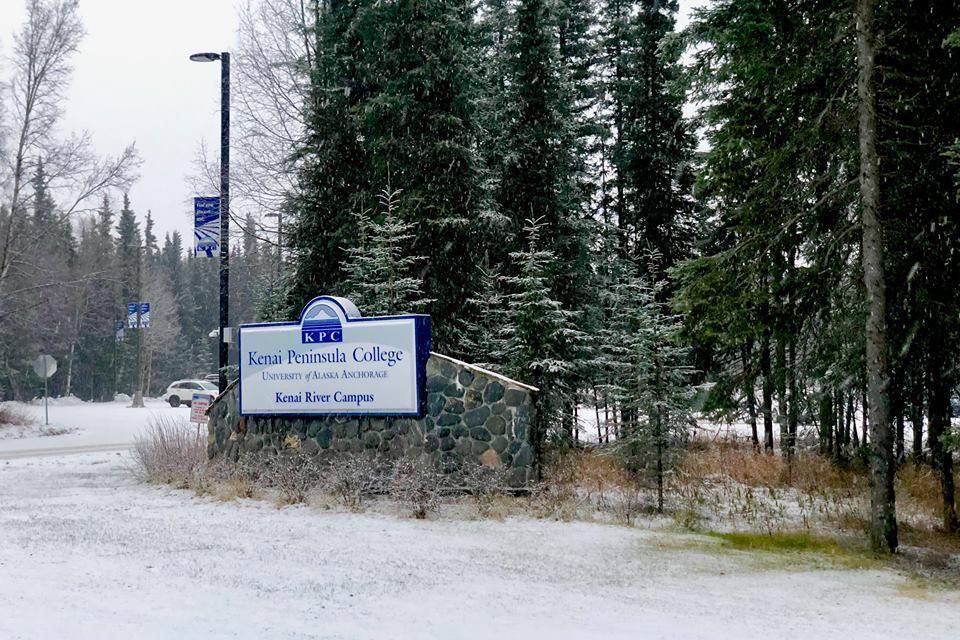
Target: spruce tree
(487,313)
(129,247)
(380,276)
(656,390)
(538,334)
(538,181)
(653,148)
(334,167)
(395,93)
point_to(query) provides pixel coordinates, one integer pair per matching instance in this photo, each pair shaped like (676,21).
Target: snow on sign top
(333,361)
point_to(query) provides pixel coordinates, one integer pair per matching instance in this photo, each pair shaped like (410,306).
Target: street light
(224,59)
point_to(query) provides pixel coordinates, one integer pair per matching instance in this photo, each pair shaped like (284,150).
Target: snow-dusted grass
(16,423)
(89,552)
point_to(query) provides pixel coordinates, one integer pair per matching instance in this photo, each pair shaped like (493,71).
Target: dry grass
(739,462)
(172,452)
(749,500)
(11,416)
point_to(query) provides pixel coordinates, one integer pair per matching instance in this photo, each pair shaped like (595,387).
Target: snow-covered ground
(88,552)
(89,426)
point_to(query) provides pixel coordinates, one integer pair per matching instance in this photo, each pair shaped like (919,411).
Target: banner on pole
(132,308)
(119,331)
(206,226)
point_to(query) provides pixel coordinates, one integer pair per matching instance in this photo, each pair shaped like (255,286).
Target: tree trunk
(781,377)
(865,403)
(749,382)
(659,463)
(940,455)
(883,515)
(848,422)
(838,429)
(793,409)
(853,427)
(896,409)
(596,411)
(916,418)
(826,423)
(767,392)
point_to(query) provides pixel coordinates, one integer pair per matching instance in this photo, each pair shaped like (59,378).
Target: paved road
(64,451)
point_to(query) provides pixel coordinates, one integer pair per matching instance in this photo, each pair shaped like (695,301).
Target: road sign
(45,366)
(206,226)
(199,404)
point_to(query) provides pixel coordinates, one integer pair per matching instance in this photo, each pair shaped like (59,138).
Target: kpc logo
(320,324)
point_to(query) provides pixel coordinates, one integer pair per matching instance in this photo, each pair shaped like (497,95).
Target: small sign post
(199,404)
(45,366)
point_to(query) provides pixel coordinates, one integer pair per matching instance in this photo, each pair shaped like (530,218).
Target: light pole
(224,59)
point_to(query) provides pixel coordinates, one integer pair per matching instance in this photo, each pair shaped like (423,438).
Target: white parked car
(181,391)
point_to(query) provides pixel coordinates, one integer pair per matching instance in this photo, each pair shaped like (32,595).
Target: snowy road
(86,552)
(106,426)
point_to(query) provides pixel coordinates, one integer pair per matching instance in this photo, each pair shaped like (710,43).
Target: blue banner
(144,308)
(206,226)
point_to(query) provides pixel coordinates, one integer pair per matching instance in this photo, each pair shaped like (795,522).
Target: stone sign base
(472,415)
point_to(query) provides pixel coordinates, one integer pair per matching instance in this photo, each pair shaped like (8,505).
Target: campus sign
(333,361)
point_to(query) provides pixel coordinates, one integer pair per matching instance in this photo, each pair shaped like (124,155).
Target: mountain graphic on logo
(320,324)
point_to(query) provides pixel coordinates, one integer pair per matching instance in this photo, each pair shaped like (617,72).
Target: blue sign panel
(206,226)
(119,331)
(333,362)
(144,308)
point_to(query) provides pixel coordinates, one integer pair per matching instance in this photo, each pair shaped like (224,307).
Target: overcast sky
(133,82)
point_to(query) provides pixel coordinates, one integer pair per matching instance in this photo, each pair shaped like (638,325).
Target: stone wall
(472,414)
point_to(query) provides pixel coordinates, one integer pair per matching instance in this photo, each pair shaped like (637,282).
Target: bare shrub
(291,472)
(627,504)
(484,484)
(560,495)
(417,483)
(231,480)
(353,478)
(171,452)
(10,416)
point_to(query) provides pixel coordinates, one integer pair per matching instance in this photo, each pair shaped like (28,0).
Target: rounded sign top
(45,366)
